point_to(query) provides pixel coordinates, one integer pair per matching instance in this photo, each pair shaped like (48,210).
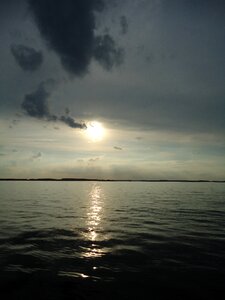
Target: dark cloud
(117,148)
(106,52)
(27,58)
(71,122)
(123,24)
(69,29)
(36,105)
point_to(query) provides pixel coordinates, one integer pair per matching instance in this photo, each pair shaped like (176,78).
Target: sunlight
(95,131)
(94,216)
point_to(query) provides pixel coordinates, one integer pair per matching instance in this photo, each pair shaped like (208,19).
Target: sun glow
(95,131)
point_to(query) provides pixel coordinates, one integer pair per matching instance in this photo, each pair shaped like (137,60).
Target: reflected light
(94,215)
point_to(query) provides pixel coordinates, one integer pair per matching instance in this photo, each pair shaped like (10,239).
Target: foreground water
(99,240)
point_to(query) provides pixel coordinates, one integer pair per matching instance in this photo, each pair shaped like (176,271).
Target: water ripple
(108,232)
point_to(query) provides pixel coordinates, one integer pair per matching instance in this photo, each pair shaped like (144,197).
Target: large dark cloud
(27,58)
(69,26)
(36,105)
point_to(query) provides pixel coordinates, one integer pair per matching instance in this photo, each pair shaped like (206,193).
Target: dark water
(93,240)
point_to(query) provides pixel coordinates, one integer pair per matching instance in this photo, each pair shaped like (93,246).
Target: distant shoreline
(108,180)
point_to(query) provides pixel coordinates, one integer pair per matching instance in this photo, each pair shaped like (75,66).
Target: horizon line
(110,180)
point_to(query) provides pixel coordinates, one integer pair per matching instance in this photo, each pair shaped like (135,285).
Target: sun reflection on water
(94,217)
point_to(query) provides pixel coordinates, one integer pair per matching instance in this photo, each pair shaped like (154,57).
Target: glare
(95,131)
(94,216)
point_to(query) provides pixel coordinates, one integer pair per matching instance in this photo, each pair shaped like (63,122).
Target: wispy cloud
(117,148)
(37,155)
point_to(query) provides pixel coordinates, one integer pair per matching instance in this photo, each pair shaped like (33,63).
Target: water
(99,240)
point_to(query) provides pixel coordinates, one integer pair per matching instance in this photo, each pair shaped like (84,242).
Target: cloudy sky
(131,89)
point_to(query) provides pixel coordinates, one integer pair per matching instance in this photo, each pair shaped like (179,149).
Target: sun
(95,131)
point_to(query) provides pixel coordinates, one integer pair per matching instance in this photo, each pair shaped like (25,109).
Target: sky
(111,89)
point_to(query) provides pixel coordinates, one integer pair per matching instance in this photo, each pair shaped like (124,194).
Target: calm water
(99,240)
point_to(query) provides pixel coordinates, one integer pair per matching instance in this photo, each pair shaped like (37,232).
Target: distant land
(108,180)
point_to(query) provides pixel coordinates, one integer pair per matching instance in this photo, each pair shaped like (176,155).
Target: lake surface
(115,240)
